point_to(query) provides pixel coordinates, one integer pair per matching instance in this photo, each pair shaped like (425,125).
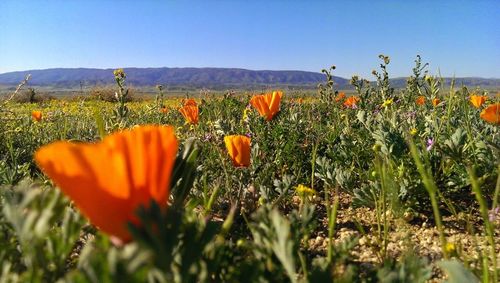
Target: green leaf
(184,172)
(456,271)
(99,120)
(283,245)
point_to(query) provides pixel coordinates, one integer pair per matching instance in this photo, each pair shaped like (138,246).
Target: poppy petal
(491,114)
(238,148)
(109,180)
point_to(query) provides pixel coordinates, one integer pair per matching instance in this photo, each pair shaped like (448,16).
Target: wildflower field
(385,185)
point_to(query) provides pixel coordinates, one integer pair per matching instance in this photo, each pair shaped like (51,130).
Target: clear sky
(460,38)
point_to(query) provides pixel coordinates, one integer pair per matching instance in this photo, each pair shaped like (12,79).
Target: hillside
(198,77)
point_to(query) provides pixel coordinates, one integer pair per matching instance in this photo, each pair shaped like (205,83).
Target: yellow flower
(428,79)
(119,73)
(413,131)
(245,114)
(387,102)
(450,248)
(304,191)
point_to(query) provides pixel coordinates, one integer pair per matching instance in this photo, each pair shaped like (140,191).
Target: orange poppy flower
(491,113)
(340,97)
(164,110)
(109,180)
(189,101)
(36,115)
(352,102)
(478,100)
(300,100)
(420,100)
(267,104)
(190,113)
(238,147)
(436,101)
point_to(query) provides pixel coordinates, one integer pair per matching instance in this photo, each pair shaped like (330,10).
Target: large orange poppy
(491,113)
(109,180)
(268,105)
(238,147)
(477,100)
(190,113)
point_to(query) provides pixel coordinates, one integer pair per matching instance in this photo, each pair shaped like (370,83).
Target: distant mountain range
(194,77)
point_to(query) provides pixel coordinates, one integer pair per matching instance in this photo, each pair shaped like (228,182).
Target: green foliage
(457,272)
(39,233)
(410,269)
(227,224)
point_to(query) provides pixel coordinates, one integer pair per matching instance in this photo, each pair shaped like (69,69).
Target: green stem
(484,213)
(469,132)
(497,190)
(303,263)
(450,105)
(332,221)
(211,199)
(313,163)
(431,188)
(384,209)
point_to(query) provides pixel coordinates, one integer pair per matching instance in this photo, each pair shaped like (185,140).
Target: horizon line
(236,68)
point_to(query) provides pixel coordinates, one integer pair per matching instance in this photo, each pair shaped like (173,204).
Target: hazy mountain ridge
(197,77)
(202,77)
(466,81)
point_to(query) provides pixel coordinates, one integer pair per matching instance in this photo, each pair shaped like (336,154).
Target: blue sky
(460,38)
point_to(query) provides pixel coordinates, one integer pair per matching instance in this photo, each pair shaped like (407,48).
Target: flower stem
(431,188)
(484,213)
